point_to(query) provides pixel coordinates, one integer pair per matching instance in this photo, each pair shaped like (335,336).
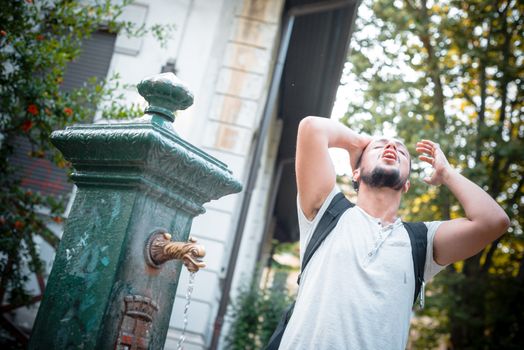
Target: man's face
(385,163)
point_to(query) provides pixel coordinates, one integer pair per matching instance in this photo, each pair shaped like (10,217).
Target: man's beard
(380,177)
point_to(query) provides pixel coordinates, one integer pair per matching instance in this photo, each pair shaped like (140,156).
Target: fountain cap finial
(165,94)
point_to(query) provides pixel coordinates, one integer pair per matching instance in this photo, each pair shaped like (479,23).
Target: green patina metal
(165,94)
(133,178)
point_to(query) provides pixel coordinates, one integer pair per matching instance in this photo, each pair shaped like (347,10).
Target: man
(357,290)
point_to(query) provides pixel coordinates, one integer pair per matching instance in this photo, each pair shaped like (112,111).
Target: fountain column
(140,185)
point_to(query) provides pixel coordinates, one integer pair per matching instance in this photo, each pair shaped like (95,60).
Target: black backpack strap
(418,235)
(339,204)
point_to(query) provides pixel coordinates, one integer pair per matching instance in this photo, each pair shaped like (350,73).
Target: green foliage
(452,71)
(254,316)
(37,41)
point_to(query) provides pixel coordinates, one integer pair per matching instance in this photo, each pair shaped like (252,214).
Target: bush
(254,316)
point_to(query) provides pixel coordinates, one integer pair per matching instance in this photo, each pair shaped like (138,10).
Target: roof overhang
(315,59)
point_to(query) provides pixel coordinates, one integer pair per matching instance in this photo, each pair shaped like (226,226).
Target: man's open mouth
(389,155)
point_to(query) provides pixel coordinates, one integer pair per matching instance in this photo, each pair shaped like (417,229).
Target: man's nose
(391,145)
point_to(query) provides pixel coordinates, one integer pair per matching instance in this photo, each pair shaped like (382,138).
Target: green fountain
(140,185)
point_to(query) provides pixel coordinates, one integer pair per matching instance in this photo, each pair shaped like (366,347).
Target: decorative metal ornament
(160,249)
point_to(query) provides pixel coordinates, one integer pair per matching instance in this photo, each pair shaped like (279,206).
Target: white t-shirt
(357,290)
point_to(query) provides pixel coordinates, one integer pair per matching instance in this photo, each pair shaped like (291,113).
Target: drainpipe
(269,107)
(272,200)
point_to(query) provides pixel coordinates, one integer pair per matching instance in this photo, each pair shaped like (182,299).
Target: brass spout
(160,249)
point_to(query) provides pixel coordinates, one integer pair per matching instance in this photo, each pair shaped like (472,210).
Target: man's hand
(431,153)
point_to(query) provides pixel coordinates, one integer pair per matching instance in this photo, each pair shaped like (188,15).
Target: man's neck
(381,203)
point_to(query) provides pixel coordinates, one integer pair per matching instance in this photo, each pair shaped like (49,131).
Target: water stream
(190,286)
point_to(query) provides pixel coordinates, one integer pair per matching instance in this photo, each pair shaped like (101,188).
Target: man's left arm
(485,220)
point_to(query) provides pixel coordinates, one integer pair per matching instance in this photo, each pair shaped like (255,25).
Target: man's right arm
(314,169)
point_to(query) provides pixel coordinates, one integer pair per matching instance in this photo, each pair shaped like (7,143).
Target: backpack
(417,232)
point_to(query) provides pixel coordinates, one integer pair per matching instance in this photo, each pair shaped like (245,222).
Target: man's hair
(359,159)
(357,165)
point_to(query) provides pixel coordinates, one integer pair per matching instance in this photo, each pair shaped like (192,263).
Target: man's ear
(406,186)
(356,175)
(356,179)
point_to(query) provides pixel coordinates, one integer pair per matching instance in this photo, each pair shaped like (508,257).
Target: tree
(37,41)
(452,71)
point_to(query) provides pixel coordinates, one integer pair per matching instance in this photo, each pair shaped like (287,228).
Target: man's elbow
(310,130)
(309,124)
(501,223)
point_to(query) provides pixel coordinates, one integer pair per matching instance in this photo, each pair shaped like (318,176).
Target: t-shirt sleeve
(432,267)
(307,227)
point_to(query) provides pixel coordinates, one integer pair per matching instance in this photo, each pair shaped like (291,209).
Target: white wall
(231,112)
